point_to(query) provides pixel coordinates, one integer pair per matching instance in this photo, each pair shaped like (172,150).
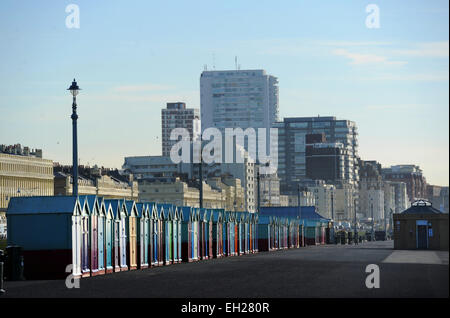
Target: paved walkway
(315,271)
(417,257)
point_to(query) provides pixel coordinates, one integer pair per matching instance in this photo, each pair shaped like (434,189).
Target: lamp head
(74,89)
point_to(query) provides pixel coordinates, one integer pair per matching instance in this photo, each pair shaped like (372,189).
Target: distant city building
(180,193)
(269,190)
(307,198)
(22,173)
(284,200)
(163,169)
(389,201)
(176,115)
(324,198)
(245,172)
(370,188)
(157,168)
(18,150)
(107,183)
(324,160)
(292,132)
(401,196)
(410,174)
(438,196)
(345,205)
(238,99)
(232,191)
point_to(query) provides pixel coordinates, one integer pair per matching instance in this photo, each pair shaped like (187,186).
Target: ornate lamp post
(74,89)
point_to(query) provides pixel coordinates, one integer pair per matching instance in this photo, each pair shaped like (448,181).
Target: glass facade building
(292,148)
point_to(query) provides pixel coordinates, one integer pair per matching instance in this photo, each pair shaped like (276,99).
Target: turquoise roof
(42,204)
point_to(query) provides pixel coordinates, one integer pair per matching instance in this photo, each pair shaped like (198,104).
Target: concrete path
(310,272)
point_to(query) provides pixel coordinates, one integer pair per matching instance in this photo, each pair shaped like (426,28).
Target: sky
(132,57)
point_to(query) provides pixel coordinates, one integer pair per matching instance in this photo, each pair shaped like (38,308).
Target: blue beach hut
(109,237)
(49,230)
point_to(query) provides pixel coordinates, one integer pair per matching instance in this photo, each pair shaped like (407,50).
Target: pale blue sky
(131,57)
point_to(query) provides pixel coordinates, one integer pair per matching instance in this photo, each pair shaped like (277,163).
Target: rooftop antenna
(214,61)
(205,67)
(235,62)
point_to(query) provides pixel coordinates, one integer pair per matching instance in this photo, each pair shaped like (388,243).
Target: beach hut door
(123,244)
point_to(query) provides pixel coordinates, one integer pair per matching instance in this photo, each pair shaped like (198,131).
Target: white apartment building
(238,99)
(156,168)
(323,196)
(401,196)
(176,115)
(344,202)
(269,190)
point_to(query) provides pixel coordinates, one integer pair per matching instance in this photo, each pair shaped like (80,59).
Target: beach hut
(101,226)
(230,233)
(248,232)
(205,233)
(254,219)
(152,212)
(118,248)
(155,236)
(143,234)
(168,233)
(295,233)
(123,225)
(177,235)
(189,233)
(132,233)
(109,237)
(166,213)
(285,224)
(172,236)
(276,243)
(253,232)
(210,234)
(237,221)
(184,213)
(90,205)
(49,230)
(160,233)
(195,234)
(311,232)
(241,232)
(174,245)
(264,233)
(217,237)
(85,238)
(226,233)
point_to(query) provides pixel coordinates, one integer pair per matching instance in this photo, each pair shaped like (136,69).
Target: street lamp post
(391,223)
(373,233)
(332,204)
(200,175)
(74,89)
